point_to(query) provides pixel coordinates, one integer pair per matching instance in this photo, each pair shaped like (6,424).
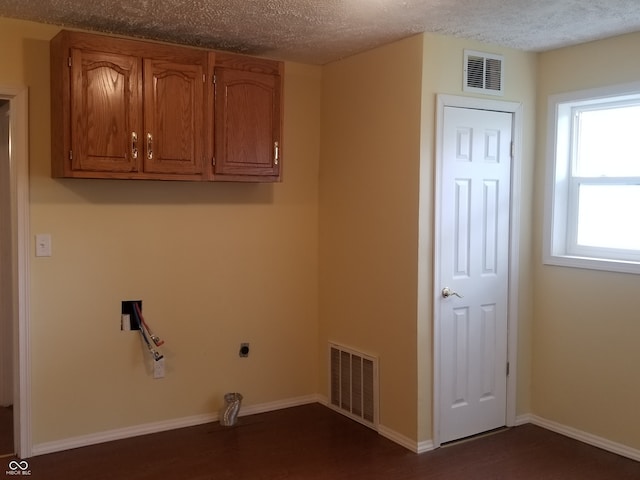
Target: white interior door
(473,275)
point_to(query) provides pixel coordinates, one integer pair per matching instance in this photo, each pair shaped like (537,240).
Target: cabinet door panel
(105,111)
(247,123)
(174,117)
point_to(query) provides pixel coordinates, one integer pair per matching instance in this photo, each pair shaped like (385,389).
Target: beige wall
(369,185)
(376,213)
(215,265)
(587,326)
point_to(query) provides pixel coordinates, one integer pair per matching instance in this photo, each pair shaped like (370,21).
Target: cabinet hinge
(508,368)
(70,154)
(204,78)
(213,161)
(69,61)
(513,149)
(213,79)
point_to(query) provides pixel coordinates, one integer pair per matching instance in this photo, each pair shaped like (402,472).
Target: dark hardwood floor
(6,430)
(313,442)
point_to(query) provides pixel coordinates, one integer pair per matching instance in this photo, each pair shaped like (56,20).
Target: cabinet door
(247,123)
(105,112)
(174,117)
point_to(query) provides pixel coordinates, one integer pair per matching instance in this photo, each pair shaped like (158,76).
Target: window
(593,182)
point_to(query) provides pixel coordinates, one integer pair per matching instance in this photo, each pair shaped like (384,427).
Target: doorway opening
(6,290)
(14,268)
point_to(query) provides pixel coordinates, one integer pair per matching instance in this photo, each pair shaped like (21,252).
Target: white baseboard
(581,436)
(523,419)
(556,427)
(155,427)
(415,447)
(412,445)
(406,442)
(277,405)
(425,446)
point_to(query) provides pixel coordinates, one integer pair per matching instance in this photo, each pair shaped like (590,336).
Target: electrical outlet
(158,368)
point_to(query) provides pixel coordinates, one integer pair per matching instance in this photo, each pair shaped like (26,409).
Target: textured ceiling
(320,31)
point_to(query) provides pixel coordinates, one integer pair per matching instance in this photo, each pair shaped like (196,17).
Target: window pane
(607,216)
(607,142)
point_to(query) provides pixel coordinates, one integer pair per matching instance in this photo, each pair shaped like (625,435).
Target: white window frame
(560,226)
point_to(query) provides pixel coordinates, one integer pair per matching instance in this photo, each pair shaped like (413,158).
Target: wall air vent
(483,73)
(353,378)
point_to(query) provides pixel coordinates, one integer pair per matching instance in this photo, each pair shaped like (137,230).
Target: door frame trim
(19,185)
(515,108)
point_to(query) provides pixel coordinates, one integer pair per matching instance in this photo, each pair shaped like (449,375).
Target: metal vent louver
(353,384)
(483,73)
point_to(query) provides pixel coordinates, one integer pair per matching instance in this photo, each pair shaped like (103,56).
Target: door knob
(447,292)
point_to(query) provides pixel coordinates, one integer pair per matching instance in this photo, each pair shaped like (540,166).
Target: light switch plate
(43,245)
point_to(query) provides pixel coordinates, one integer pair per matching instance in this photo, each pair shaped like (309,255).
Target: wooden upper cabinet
(127,109)
(248,121)
(130,109)
(105,112)
(174,117)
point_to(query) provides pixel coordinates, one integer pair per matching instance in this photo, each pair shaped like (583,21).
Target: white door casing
(472,392)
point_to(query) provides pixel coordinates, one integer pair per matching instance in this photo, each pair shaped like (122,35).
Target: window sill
(618,266)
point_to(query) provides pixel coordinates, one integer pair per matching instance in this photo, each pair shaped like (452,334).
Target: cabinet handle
(149,146)
(276,153)
(134,145)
